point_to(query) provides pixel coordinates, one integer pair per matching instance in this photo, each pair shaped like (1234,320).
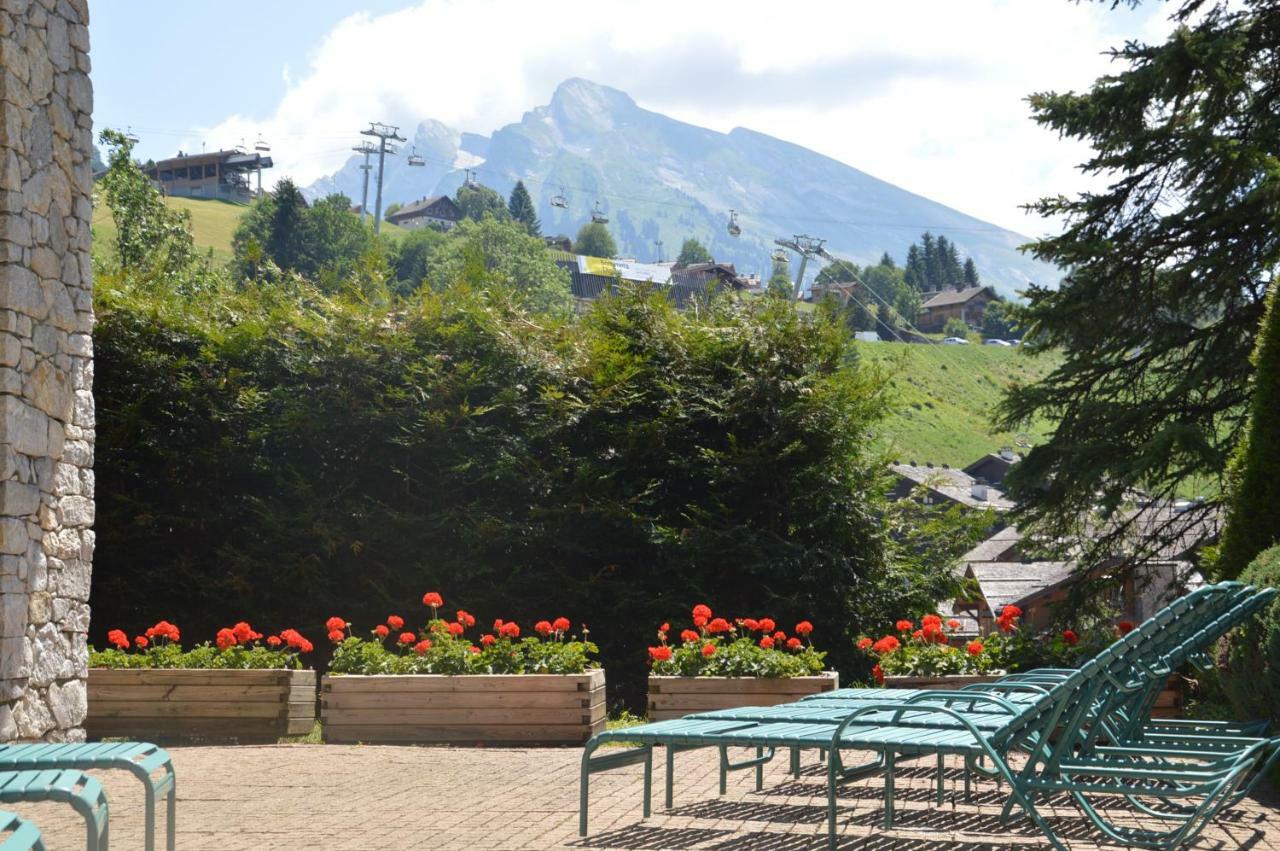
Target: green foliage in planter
(1251,673)
(202,656)
(435,650)
(738,657)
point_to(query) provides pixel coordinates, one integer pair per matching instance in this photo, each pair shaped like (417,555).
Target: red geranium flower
(888,644)
(487,639)
(408,638)
(767,625)
(666,627)
(543,628)
(660,653)
(688,635)
(700,621)
(335,624)
(381,630)
(561,624)
(878,674)
(455,628)
(422,647)
(466,619)
(432,599)
(953,624)
(225,638)
(931,620)
(141,641)
(294,639)
(766,641)
(510,630)
(244,632)
(473,649)
(750,623)
(864,643)
(804,628)
(1124,627)
(395,622)
(794,643)
(904,626)
(335,635)
(274,640)
(1011,611)
(919,633)
(1070,637)
(779,636)
(718,625)
(118,638)
(708,650)
(702,611)
(974,648)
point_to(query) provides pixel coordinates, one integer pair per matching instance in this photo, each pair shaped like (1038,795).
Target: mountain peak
(579,103)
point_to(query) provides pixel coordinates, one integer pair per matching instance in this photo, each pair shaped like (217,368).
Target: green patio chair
(22,834)
(935,728)
(149,763)
(67,786)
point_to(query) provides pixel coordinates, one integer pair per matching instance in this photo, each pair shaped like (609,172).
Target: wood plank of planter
(469,683)
(185,693)
(675,697)
(489,709)
(169,676)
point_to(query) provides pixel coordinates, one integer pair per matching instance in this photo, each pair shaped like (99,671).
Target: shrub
(737,647)
(444,647)
(1251,670)
(235,647)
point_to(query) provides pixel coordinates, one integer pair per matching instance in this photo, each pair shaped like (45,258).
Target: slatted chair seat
(68,786)
(150,763)
(22,834)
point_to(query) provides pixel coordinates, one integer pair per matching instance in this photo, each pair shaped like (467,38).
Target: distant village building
(438,211)
(591,277)
(946,484)
(993,466)
(225,175)
(967,305)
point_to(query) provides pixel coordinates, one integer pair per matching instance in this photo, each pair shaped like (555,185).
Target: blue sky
(927,94)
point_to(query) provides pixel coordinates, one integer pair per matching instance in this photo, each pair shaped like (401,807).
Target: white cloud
(928,95)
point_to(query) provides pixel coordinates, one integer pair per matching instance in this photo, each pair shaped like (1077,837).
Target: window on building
(180,173)
(211,170)
(166,175)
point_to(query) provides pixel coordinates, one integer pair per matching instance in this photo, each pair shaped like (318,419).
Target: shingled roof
(949,297)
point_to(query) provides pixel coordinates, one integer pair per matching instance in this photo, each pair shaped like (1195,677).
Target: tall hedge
(1253,517)
(1251,675)
(282,456)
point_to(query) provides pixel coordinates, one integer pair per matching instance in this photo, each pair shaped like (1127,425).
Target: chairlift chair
(130,136)
(780,255)
(598,216)
(261,144)
(559,200)
(415,159)
(734,229)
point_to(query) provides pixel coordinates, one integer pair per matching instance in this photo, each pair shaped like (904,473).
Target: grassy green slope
(945,397)
(212,224)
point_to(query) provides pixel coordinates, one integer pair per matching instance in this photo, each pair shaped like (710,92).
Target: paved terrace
(353,797)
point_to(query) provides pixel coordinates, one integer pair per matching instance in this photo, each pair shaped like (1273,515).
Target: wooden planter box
(675,697)
(491,709)
(212,705)
(946,682)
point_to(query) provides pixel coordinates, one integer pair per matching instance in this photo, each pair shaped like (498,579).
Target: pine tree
(285,242)
(951,263)
(1153,325)
(916,275)
(886,260)
(971,273)
(932,262)
(522,209)
(1253,513)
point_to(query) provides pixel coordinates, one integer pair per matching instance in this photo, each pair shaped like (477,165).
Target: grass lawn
(945,398)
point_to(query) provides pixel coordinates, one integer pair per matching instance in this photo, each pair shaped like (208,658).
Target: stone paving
(355,797)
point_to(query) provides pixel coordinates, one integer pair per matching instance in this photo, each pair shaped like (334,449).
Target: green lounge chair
(23,835)
(149,763)
(1027,727)
(82,792)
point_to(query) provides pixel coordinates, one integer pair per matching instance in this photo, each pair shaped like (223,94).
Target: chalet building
(993,466)
(841,291)
(217,174)
(967,305)
(946,484)
(438,211)
(591,277)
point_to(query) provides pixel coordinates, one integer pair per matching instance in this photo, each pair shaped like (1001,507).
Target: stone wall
(46,367)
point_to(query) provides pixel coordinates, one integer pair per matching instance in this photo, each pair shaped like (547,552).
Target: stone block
(73,580)
(62,544)
(50,656)
(23,427)
(15,657)
(75,511)
(13,536)
(10,350)
(33,716)
(20,291)
(19,500)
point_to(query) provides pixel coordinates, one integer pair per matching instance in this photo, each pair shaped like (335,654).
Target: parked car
(994,342)
(955,341)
